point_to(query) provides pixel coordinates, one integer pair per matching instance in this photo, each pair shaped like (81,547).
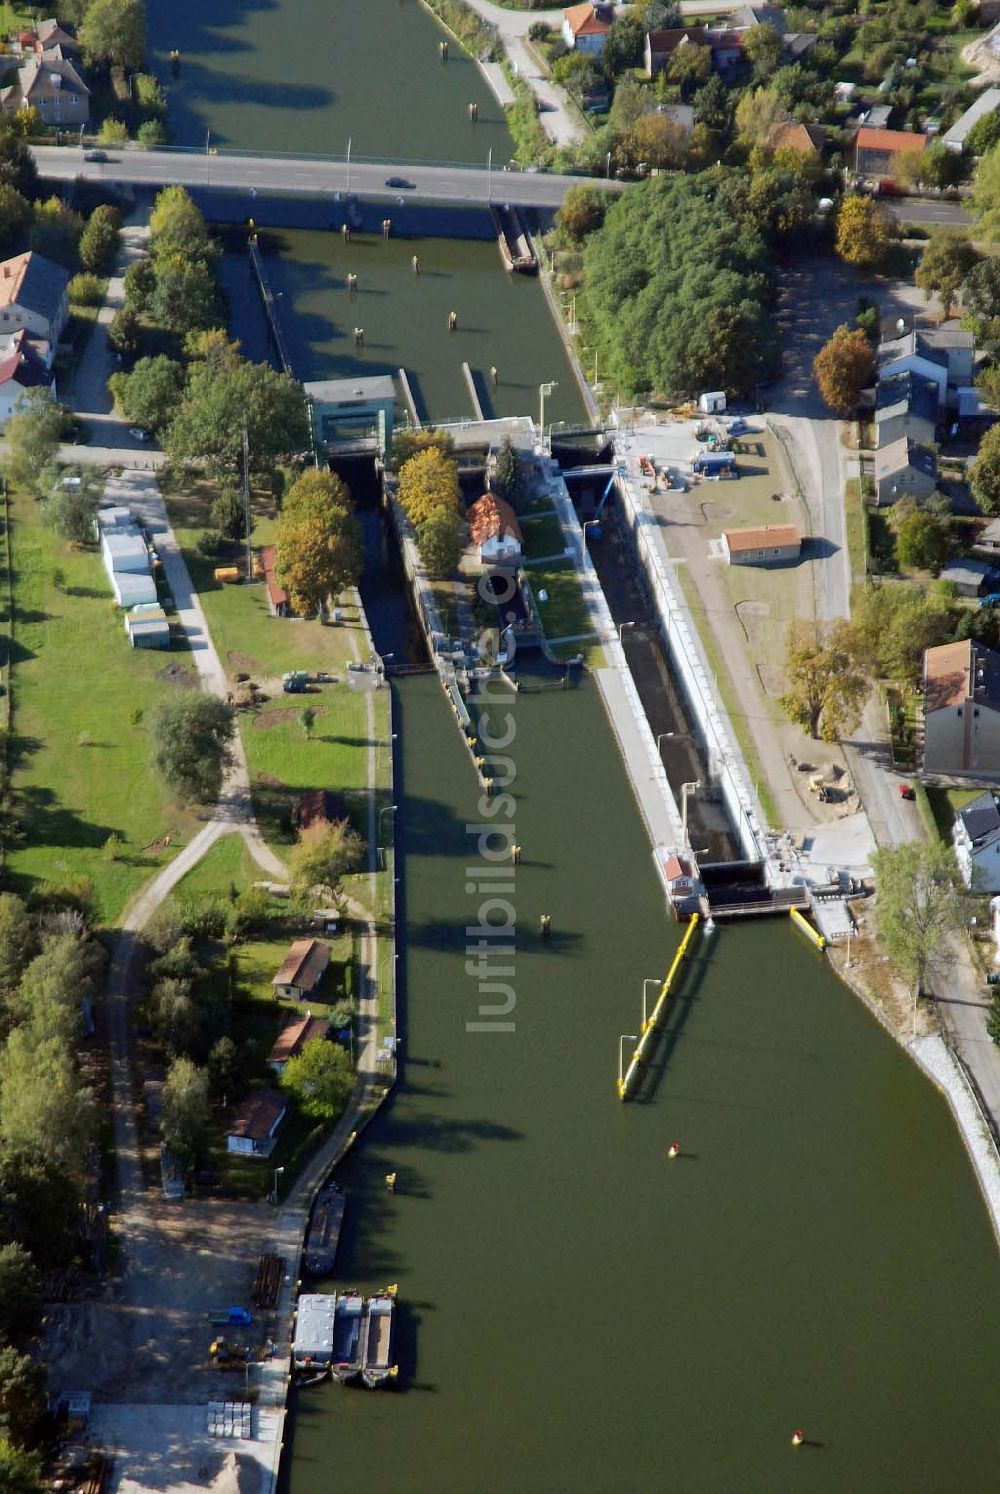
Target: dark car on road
(95,155)
(399,183)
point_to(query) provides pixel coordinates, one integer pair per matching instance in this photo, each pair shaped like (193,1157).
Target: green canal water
(309,75)
(580,1314)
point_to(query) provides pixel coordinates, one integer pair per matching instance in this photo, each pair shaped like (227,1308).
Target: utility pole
(246,500)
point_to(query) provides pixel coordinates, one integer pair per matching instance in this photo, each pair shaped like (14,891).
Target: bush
(86,290)
(113,132)
(210,543)
(152,132)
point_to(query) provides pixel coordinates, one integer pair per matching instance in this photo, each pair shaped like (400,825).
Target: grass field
(81,696)
(542,536)
(565,613)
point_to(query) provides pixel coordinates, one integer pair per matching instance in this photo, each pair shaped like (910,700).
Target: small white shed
(132,589)
(712,403)
(124,549)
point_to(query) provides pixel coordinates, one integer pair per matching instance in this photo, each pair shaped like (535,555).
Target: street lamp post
(607,165)
(543,390)
(622,627)
(586,525)
(651,980)
(274,1191)
(386,809)
(687,789)
(626,1037)
(489,177)
(349,165)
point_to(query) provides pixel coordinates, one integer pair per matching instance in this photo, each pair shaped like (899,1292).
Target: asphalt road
(304,174)
(926,212)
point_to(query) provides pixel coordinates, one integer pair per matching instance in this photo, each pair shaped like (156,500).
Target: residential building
(48,36)
(807,139)
(953,346)
(976,838)
(303,969)
(21,368)
(942,355)
(293,1038)
(495,531)
(34,295)
(661,45)
(254,1128)
(962,709)
(876,151)
(988,540)
(277,596)
(970,578)
(907,353)
(904,468)
(988,102)
(906,404)
(52,85)
(762,544)
(585,27)
(878,117)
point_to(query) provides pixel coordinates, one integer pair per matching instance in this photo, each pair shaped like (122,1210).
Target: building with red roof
(585,27)
(495,530)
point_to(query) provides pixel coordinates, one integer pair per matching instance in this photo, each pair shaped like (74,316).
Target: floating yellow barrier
(803,923)
(653,1020)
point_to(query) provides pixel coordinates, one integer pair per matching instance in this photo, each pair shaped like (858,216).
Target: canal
(578,1313)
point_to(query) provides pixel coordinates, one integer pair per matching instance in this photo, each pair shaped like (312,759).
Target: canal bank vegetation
(476,35)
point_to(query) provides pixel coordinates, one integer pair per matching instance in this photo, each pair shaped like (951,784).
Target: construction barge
(345,1337)
(325,1225)
(514,241)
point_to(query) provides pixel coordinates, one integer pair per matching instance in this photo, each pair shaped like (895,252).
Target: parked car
(137,433)
(95,155)
(399,183)
(906,791)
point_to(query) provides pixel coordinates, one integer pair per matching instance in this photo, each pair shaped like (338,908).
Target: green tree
(177,229)
(922,541)
(689,67)
(70,511)
(984,134)
(140,283)
(764,47)
(58,979)
(227,1069)
(678,289)
(825,689)
(582,211)
(20,1471)
(152,132)
(407,442)
(18,939)
(40,1207)
(892,626)
(218,402)
(33,435)
(151,394)
(865,231)
(320,1079)
(85,290)
(919,908)
(844,368)
(323,853)
(113,131)
(22,1397)
(17,165)
(191,733)
(947,261)
(15,215)
(125,331)
(100,239)
(229,513)
(986,196)
(758,114)
(507,477)
(186,1110)
(439,536)
(984,474)
(42,1107)
(307,720)
(185,298)
(56,231)
(114,31)
(21,1300)
(981,303)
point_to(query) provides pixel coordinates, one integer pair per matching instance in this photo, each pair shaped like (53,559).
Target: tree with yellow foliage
(865,231)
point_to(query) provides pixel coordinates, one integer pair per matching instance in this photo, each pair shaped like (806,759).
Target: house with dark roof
(904,469)
(302,970)
(961,690)
(988,541)
(51,84)
(970,578)
(253,1130)
(495,530)
(877,151)
(906,404)
(21,368)
(976,838)
(806,139)
(34,295)
(293,1038)
(661,45)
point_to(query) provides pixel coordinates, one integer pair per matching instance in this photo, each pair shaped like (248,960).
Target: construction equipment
(228,1356)
(295,682)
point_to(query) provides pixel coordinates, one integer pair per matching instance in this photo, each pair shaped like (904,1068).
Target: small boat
(348,1345)
(324,1230)
(377,1339)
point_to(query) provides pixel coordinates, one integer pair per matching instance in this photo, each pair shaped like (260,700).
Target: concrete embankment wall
(691,669)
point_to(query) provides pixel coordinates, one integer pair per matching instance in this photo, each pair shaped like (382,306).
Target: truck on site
(295,682)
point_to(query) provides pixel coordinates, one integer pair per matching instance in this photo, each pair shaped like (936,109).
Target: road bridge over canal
(249,173)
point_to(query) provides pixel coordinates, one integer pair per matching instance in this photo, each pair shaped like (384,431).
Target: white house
(21,368)
(495,530)
(962,710)
(34,295)
(585,27)
(254,1128)
(976,837)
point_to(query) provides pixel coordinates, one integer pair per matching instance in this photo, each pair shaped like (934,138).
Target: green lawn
(228,863)
(565,612)
(857,548)
(542,536)
(945,804)
(82,767)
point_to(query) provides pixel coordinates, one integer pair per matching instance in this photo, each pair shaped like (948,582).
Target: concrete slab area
(159,1448)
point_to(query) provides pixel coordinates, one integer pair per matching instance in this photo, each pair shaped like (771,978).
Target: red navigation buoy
(798,1438)
(674,1150)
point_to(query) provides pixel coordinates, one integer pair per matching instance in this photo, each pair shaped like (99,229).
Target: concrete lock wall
(725,764)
